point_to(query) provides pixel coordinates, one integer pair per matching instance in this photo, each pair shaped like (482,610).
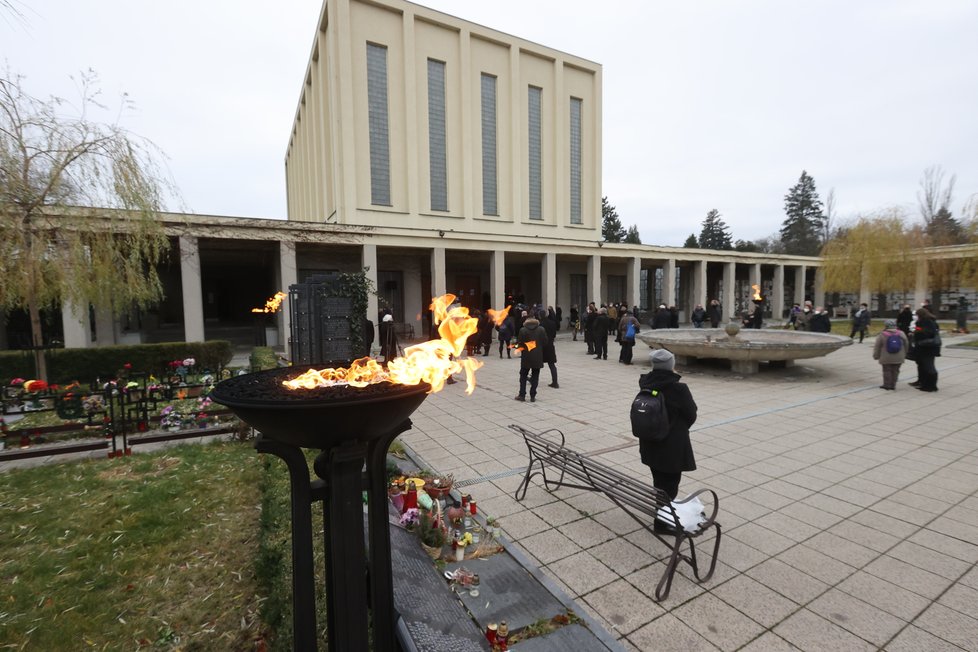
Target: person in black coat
(667,459)
(662,318)
(599,333)
(506,332)
(904,319)
(531,342)
(550,351)
(589,317)
(820,321)
(926,347)
(713,313)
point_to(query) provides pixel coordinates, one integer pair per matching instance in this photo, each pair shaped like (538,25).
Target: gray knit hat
(889,324)
(662,359)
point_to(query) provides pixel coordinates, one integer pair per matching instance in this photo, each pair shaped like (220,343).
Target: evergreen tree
(632,236)
(943,229)
(715,234)
(801,230)
(745,245)
(691,242)
(611,228)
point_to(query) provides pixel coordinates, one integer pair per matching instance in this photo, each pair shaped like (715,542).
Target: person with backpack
(890,349)
(627,328)
(664,443)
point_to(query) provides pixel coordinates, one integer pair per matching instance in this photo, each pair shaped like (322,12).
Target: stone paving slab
(850,513)
(507,592)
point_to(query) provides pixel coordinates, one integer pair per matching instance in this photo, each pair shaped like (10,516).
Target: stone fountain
(745,349)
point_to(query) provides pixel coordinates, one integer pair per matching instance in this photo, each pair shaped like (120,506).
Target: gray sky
(708,104)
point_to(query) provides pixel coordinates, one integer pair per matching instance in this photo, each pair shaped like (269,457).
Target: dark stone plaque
(322,324)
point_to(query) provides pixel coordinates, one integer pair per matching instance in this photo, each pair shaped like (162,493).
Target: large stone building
(440,156)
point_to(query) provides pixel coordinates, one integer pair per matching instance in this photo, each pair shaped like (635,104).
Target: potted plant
(437,486)
(431,532)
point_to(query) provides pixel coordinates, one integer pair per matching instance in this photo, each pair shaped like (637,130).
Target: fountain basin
(745,349)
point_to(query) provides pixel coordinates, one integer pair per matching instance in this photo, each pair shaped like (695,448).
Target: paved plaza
(849,513)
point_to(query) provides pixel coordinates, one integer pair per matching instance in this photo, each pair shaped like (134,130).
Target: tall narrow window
(436,135)
(535,178)
(379,125)
(575,160)
(490,204)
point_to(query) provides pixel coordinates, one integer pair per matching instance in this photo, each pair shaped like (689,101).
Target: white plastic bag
(691,513)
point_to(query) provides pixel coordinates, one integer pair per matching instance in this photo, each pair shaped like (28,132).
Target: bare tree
(828,216)
(79,209)
(933,195)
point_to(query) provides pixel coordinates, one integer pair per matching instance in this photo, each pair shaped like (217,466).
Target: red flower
(128,365)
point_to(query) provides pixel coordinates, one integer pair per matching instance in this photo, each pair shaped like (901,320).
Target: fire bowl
(317,418)
(746,348)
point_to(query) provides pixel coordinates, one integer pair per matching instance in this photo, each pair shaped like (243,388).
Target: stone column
(105,327)
(819,291)
(800,271)
(777,293)
(438,281)
(193,299)
(368,260)
(288,275)
(633,282)
(864,286)
(74,322)
(699,284)
(549,275)
(593,280)
(669,282)
(497,279)
(920,285)
(729,283)
(754,275)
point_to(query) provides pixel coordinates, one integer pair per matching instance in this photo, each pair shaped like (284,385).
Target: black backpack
(650,418)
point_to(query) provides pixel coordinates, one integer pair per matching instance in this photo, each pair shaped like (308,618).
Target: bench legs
(530,473)
(665,582)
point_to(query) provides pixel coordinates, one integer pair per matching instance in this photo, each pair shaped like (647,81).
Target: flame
(432,362)
(499,316)
(757,292)
(272,305)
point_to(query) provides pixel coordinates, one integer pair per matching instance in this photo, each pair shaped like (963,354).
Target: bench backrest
(593,474)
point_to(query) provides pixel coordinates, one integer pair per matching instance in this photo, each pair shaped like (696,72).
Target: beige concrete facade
(328,162)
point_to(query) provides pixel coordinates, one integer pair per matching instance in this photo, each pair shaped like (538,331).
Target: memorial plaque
(322,323)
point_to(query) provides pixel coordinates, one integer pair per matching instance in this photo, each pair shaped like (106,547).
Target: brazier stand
(353,431)
(339,486)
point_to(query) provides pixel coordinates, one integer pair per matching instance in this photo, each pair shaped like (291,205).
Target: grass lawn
(183,549)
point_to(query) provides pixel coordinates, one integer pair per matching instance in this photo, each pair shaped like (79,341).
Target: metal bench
(640,501)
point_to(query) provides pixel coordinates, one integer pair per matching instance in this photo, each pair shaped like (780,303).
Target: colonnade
(554,285)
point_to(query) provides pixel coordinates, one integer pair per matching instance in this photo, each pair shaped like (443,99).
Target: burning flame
(432,362)
(757,292)
(272,305)
(499,316)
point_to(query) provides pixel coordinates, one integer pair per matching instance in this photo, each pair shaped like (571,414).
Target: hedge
(85,365)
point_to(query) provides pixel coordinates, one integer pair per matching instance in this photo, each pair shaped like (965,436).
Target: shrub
(66,365)
(263,357)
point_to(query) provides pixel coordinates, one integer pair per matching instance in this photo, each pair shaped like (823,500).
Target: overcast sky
(708,104)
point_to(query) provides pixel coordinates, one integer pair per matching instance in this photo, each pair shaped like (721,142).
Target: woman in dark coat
(506,332)
(531,342)
(670,457)
(549,350)
(926,347)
